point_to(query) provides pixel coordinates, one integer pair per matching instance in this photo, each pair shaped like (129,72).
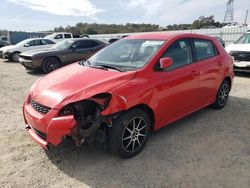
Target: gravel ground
(209,148)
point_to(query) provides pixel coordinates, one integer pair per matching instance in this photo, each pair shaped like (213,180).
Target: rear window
(204,49)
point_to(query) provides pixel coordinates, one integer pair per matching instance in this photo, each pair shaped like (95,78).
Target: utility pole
(246,17)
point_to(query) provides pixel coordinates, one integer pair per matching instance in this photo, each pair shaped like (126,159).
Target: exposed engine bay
(91,124)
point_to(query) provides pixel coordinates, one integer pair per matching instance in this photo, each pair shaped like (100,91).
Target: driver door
(177,87)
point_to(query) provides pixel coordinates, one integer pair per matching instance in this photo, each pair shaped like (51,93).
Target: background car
(222,42)
(3,43)
(240,50)
(12,52)
(58,37)
(63,53)
(133,86)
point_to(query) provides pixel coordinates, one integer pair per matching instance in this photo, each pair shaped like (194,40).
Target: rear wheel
(128,134)
(14,56)
(50,64)
(222,95)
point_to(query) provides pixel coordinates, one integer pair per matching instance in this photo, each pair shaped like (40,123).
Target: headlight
(87,106)
(67,110)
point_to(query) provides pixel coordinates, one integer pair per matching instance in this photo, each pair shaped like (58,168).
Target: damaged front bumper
(50,126)
(46,130)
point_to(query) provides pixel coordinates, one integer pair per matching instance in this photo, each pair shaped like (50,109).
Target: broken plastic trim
(87,114)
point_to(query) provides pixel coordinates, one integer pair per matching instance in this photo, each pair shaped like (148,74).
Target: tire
(14,56)
(222,95)
(50,64)
(129,133)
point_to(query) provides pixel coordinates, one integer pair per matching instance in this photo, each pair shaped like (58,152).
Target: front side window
(128,54)
(86,44)
(180,52)
(204,49)
(46,42)
(244,39)
(59,36)
(34,43)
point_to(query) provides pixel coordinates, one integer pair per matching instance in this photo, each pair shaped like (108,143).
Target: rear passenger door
(210,67)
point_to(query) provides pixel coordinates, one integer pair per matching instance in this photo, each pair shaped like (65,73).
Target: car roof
(30,39)
(79,39)
(166,36)
(60,33)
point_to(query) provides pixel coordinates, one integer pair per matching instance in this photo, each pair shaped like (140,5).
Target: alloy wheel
(51,65)
(224,93)
(16,56)
(134,135)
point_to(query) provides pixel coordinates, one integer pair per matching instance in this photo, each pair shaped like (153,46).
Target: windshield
(244,39)
(127,54)
(63,45)
(23,42)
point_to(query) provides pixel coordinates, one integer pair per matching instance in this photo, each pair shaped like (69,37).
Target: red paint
(171,95)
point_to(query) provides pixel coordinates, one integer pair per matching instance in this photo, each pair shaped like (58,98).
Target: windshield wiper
(111,67)
(100,66)
(87,63)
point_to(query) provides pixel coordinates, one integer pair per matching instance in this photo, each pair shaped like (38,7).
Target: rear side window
(204,49)
(67,36)
(180,52)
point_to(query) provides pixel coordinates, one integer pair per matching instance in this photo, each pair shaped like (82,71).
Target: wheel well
(229,81)
(53,57)
(148,110)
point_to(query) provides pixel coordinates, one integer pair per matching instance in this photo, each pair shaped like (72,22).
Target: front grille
(26,57)
(39,133)
(240,55)
(39,107)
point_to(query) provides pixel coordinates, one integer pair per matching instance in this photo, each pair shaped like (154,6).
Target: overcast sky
(35,15)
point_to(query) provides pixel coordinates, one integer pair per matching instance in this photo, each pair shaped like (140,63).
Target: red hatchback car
(136,85)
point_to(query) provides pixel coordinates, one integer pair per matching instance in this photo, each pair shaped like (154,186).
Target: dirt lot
(207,149)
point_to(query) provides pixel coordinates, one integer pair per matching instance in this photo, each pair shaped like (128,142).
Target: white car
(240,50)
(234,24)
(12,52)
(58,37)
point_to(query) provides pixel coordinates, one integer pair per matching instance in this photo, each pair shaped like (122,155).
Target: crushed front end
(80,121)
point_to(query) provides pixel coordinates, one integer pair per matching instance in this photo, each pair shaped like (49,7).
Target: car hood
(5,48)
(238,47)
(74,83)
(40,52)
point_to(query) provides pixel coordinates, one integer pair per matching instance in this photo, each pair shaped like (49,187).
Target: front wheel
(128,134)
(50,64)
(222,95)
(14,57)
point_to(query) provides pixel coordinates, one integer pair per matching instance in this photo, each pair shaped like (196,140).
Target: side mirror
(165,63)
(26,45)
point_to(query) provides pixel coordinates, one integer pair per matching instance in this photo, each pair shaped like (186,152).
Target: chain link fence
(229,35)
